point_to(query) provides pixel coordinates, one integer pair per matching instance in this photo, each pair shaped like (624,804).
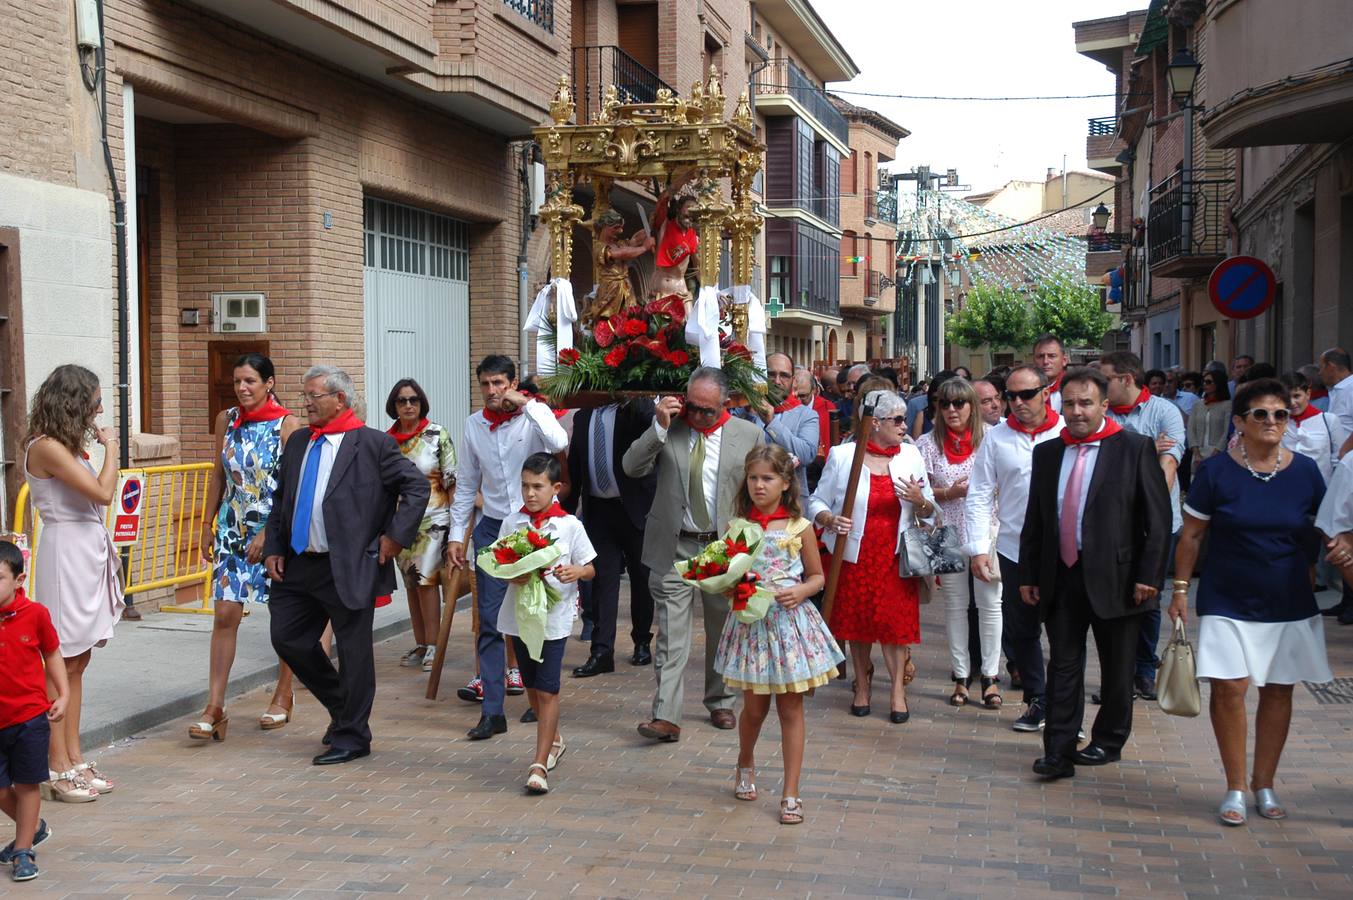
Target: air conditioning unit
(239,312)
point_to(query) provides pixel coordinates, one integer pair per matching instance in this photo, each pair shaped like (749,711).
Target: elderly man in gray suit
(785,420)
(698,452)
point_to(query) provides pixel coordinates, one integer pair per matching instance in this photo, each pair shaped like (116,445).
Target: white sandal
(78,792)
(556,753)
(94,778)
(744,787)
(536,782)
(270,721)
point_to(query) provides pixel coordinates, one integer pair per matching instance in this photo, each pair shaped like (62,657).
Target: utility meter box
(239,312)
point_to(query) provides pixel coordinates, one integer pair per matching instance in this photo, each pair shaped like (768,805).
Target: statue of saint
(610,265)
(676,241)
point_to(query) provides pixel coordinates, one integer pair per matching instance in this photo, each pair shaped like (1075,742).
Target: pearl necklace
(1264,477)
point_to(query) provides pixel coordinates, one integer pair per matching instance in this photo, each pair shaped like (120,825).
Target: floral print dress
(250,455)
(432,453)
(790,651)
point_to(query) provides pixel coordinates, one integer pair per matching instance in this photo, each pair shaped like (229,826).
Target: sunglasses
(406,401)
(951,404)
(899,421)
(1026,395)
(694,410)
(1262,415)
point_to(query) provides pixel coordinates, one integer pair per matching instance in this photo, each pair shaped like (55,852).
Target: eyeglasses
(1025,395)
(694,410)
(318,397)
(1262,415)
(406,401)
(951,404)
(899,421)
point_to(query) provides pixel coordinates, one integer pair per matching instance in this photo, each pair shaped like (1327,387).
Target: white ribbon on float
(538,323)
(756,322)
(702,328)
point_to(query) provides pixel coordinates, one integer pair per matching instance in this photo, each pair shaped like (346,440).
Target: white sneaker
(428,657)
(414,657)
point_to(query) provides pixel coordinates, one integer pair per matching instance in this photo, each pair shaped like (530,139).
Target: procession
(437,487)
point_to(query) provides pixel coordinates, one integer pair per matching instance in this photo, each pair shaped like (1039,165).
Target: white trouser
(956,591)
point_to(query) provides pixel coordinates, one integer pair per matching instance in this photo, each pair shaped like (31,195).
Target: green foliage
(1072,311)
(993,316)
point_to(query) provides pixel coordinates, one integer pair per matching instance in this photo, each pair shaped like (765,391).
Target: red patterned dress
(873,602)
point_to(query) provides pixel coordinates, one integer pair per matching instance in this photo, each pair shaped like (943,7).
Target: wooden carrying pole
(847,507)
(449,612)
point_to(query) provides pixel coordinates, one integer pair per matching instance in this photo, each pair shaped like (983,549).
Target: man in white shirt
(1050,358)
(786,421)
(1335,372)
(494,445)
(1000,478)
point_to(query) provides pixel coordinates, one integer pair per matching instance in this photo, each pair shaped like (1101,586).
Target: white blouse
(831,493)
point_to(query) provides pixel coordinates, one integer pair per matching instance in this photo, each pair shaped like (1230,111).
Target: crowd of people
(1066,494)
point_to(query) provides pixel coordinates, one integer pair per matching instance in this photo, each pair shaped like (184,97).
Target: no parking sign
(131,496)
(1242,287)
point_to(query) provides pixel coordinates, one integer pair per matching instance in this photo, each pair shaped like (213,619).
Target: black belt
(311,554)
(703,537)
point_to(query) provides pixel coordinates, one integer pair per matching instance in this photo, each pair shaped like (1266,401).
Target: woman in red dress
(873,602)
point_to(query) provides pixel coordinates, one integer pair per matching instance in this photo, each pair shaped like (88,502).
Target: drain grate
(1340,691)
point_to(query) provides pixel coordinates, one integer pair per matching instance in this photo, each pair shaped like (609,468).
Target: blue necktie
(300,525)
(599,451)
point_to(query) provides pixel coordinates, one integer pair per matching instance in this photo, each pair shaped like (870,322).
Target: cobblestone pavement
(944,805)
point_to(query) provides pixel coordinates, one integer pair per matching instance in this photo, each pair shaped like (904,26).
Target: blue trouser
(1021,625)
(1149,638)
(492,652)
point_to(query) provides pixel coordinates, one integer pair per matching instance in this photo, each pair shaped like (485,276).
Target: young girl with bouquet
(790,651)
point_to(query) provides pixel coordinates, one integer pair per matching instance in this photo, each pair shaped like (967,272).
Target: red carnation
(635,327)
(603,333)
(568,356)
(505,555)
(537,540)
(678,357)
(615,357)
(737,349)
(736,546)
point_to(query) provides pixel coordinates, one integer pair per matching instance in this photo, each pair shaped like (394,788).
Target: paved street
(942,806)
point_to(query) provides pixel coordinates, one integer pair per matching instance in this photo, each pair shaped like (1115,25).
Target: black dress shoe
(529,716)
(488,726)
(595,665)
(1334,610)
(1054,767)
(1093,754)
(860,711)
(328,739)
(336,755)
(642,656)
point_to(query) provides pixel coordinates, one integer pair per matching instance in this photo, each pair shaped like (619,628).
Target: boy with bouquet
(543,553)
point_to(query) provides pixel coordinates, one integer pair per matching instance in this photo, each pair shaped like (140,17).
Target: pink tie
(1071,504)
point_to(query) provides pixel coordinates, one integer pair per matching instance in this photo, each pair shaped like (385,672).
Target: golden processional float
(621,344)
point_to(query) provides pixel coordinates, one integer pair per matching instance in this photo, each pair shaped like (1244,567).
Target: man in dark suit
(347,501)
(1092,556)
(614,510)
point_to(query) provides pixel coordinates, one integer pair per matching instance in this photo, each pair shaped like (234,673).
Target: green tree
(1071,311)
(991,315)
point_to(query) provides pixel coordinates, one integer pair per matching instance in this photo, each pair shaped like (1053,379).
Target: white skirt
(1264,652)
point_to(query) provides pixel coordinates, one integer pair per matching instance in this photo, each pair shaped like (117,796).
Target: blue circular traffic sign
(131,495)
(1242,287)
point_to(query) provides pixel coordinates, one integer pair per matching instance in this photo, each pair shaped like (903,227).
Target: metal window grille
(541,12)
(414,241)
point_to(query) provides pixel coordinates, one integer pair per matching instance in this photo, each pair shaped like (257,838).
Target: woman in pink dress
(76,570)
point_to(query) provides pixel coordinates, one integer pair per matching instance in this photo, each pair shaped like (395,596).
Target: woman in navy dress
(1257,616)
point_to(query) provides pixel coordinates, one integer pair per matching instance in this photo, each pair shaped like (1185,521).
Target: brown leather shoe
(723,718)
(661,730)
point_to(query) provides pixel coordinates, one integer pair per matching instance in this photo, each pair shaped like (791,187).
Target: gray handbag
(1177,684)
(930,551)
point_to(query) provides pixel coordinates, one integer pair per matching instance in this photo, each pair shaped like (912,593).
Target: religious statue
(610,263)
(676,240)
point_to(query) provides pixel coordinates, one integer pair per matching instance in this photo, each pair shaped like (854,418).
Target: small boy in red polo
(31,660)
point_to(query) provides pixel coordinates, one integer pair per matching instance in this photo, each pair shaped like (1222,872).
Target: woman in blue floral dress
(249,441)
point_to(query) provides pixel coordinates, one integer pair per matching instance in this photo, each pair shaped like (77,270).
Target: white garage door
(417,298)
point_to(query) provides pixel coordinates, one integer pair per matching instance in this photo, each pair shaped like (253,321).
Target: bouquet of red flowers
(725,567)
(526,551)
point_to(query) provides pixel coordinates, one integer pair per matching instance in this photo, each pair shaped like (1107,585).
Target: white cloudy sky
(978,48)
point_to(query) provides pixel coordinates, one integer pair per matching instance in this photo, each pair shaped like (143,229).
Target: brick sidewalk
(943,806)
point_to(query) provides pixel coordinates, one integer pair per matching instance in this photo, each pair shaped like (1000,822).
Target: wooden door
(221,356)
(13,396)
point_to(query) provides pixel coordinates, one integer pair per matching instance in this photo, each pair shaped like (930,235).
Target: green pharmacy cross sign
(774,307)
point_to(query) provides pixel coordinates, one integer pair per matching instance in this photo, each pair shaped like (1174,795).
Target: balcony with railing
(782,89)
(885,202)
(1176,249)
(1103,252)
(1102,145)
(595,68)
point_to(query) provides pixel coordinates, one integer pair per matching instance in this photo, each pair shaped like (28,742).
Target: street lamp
(1100,217)
(1182,75)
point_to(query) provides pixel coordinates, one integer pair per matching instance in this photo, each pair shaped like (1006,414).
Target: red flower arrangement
(616,356)
(569,355)
(725,567)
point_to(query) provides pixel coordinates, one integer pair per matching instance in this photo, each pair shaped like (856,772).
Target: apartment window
(850,177)
(779,279)
(540,12)
(850,247)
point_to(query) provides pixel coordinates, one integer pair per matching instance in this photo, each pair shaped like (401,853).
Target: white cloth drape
(756,322)
(702,328)
(538,323)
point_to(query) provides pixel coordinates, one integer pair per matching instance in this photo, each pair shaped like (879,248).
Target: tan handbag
(1177,682)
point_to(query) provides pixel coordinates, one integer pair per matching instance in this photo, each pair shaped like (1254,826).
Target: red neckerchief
(1125,410)
(790,402)
(553,511)
(496,417)
(956,448)
(405,436)
(1317,393)
(1049,420)
(1309,412)
(764,519)
(875,449)
(345,421)
(270,410)
(711,429)
(1108,429)
(1056,386)
(558,413)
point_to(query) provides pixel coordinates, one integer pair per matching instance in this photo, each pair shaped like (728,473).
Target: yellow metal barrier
(169,552)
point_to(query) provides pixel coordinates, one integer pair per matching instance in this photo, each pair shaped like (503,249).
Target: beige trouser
(674,602)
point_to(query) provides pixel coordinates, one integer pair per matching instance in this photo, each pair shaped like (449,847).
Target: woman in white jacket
(874,603)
